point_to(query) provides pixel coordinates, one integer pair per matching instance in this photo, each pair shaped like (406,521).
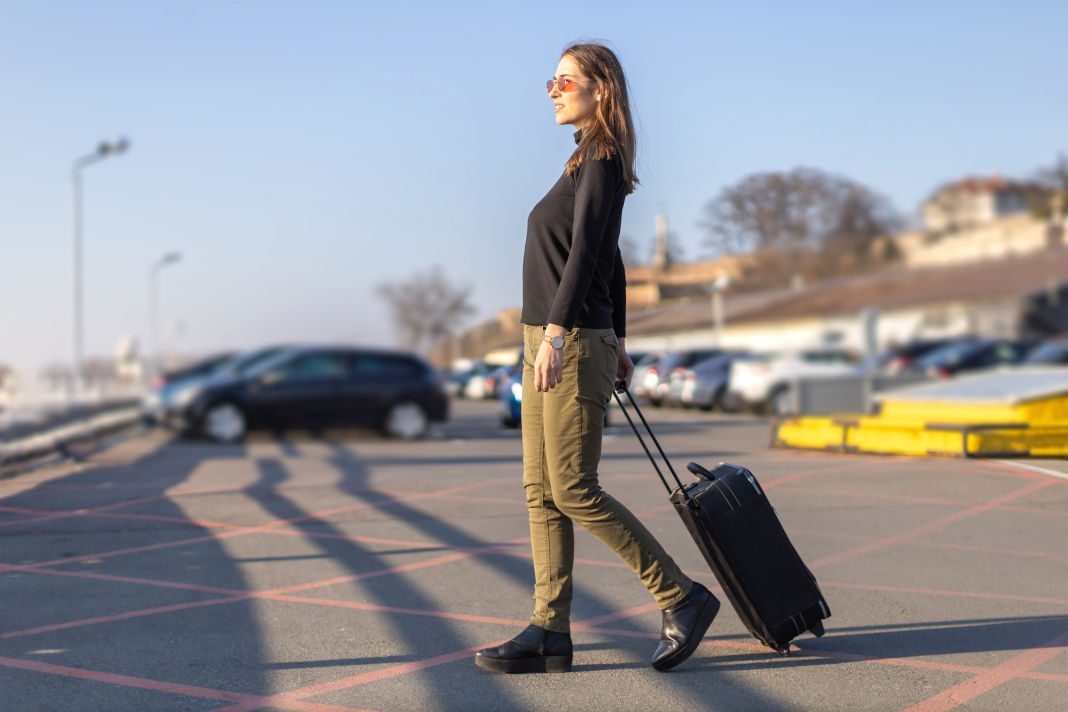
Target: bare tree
(802,211)
(426,308)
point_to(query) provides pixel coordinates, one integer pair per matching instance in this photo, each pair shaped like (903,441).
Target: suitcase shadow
(907,640)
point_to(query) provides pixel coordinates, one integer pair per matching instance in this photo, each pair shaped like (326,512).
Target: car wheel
(780,402)
(406,421)
(224,423)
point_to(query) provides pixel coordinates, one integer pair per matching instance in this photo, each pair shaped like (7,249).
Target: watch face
(557,342)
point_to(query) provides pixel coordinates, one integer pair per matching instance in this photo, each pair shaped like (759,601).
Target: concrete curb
(32,450)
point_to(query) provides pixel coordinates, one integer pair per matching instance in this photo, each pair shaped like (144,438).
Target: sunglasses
(563,84)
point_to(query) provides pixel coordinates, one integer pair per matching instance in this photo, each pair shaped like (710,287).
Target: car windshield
(244,362)
(265,362)
(1052,351)
(949,354)
(716,363)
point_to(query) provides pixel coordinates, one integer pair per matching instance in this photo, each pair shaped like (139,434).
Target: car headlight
(186,396)
(517,392)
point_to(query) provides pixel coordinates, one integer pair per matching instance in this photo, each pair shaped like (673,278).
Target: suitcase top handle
(622,386)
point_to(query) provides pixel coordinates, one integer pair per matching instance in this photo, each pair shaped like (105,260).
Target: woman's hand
(625,367)
(548,367)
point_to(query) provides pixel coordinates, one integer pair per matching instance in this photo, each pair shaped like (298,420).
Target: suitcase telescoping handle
(622,386)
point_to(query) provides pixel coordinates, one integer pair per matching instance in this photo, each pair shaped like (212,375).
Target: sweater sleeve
(618,291)
(596,184)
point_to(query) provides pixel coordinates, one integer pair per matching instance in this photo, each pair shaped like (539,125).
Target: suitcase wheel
(817,629)
(784,652)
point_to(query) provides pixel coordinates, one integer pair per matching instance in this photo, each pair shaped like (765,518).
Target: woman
(574,319)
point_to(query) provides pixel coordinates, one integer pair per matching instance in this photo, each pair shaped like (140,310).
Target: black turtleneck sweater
(572,269)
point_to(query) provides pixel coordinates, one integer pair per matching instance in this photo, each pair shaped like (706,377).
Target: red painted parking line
(428,545)
(1035,510)
(122,616)
(231,594)
(991,468)
(934,544)
(589,623)
(139,549)
(384,673)
(930,526)
(993,677)
(264,528)
(447,559)
(878,495)
(248,702)
(94,510)
(119,579)
(938,592)
(829,584)
(32,520)
(357,605)
(126,680)
(1019,468)
(163,518)
(480,498)
(23,510)
(795,650)
(289,699)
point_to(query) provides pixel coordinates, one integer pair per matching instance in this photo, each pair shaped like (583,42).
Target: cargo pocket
(611,350)
(597,365)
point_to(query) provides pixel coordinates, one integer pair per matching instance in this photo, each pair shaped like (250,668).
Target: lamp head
(108,147)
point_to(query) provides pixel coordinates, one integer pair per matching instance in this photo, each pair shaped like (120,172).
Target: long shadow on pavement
(355,474)
(168,646)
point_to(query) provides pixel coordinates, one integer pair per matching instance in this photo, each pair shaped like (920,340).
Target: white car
(762,381)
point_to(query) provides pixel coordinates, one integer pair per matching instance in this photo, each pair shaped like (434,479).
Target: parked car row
(734,380)
(481,380)
(301,386)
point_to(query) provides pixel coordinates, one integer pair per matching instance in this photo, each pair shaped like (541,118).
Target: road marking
(993,677)
(1033,468)
(930,526)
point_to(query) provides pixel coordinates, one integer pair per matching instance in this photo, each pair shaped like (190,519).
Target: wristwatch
(557,342)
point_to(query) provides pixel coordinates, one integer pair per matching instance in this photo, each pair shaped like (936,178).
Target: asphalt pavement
(340,571)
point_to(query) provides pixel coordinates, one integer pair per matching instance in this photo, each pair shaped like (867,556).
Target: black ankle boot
(684,625)
(533,650)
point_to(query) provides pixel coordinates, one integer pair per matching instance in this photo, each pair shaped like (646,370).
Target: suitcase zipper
(732,493)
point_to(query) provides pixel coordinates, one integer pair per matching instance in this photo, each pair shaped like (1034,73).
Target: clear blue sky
(299,153)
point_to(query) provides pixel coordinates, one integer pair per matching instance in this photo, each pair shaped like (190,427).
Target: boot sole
(540,663)
(704,620)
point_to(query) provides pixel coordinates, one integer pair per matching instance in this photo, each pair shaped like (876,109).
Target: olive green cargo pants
(561,450)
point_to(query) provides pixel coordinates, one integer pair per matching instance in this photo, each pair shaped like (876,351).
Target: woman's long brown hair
(611,130)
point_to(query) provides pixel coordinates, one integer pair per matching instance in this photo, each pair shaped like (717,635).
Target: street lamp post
(153,299)
(105,149)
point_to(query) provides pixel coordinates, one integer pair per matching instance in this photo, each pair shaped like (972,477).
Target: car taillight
(489,383)
(654,370)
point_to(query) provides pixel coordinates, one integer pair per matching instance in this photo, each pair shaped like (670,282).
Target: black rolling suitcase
(735,527)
